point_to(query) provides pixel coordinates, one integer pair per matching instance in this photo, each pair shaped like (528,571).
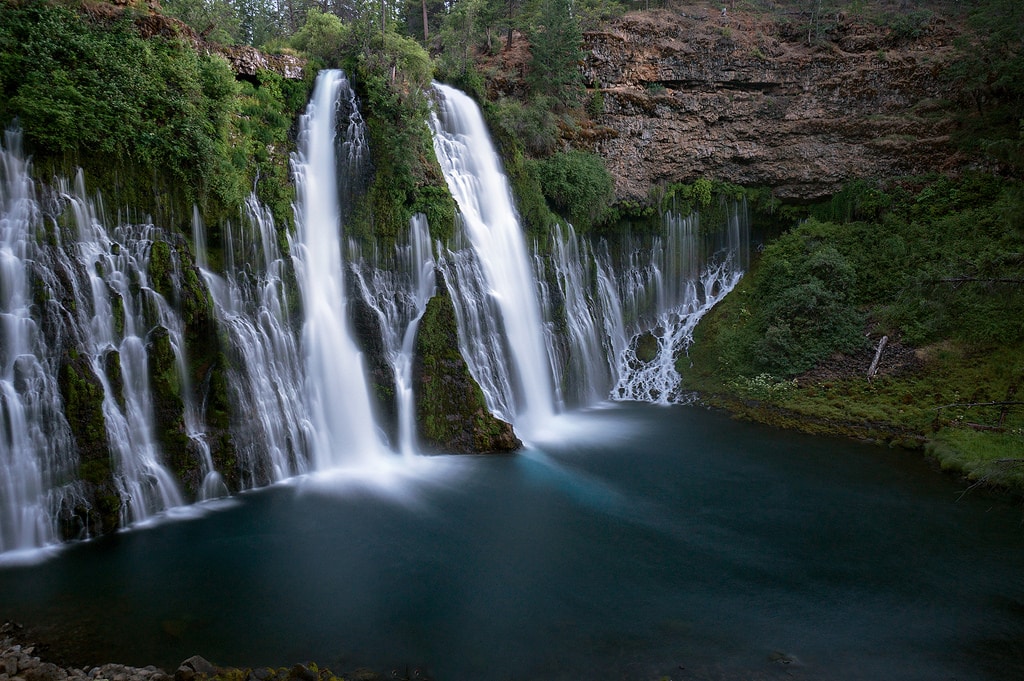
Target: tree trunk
(878,357)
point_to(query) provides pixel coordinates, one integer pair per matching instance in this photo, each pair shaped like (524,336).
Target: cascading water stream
(119,292)
(580,321)
(36,445)
(474,175)
(265,380)
(398,291)
(343,429)
(626,319)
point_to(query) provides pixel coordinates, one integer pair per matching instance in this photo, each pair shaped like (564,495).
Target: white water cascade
(117,279)
(397,289)
(499,312)
(36,444)
(270,430)
(628,317)
(342,426)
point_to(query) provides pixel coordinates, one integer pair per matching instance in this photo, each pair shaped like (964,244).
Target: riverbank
(949,401)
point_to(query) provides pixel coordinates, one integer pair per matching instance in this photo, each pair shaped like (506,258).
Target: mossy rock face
(169,410)
(450,408)
(369,337)
(646,347)
(82,393)
(112,368)
(218,423)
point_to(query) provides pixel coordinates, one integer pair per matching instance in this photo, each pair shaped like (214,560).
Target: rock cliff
(746,98)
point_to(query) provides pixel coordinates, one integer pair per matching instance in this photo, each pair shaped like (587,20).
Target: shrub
(577,185)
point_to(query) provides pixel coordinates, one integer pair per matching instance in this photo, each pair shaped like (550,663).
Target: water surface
(640,542)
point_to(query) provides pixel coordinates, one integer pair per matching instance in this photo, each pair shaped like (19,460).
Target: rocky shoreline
(21,660)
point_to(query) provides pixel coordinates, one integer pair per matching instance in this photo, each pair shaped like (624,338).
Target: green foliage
(534,124)
(91,92)
(941,260)
(393,78)
(990,70)
(522,173)
(323,37)
(935,263)
(460,36)
(260,136)
(215,19)
(577,184)
(592,13)
(805,309)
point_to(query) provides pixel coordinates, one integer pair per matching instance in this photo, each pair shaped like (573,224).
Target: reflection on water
(655,542)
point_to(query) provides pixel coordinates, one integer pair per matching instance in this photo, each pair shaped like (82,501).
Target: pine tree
(556,47)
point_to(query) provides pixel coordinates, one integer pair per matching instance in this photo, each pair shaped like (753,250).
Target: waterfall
(342,426)
(120,294)
(627,317)
(104,418)
(36,449)
(76,304)
(494,287)
(671,285)
(269,429)
(397,289)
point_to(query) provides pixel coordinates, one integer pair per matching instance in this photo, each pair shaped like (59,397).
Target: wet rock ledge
(21,661)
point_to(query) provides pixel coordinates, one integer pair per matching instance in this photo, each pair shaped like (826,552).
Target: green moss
(161,270)
(450,408)
(83,403)
(647,347)
(83,396)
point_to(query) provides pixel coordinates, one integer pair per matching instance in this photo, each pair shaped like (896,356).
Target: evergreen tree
(556,47)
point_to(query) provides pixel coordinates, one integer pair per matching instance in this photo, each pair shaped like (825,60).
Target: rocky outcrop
(744,98)
(450,409)
(247,62)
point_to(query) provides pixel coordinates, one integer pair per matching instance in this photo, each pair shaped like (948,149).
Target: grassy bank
(934,266)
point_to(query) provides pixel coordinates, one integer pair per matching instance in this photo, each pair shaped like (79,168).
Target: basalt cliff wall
(750,99)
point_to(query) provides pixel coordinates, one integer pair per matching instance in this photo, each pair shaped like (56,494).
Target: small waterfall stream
(397,289)
(120,293)
(265,376)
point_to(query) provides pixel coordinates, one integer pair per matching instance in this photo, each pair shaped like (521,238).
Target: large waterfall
(475,177)
(343,428)
(140,372)
(580,322)
(36,450)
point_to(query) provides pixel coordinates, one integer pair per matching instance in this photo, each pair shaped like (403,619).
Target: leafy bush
(578,185)
(533,125)
(806,308)
(943,260)
(323,37)
(94,91)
